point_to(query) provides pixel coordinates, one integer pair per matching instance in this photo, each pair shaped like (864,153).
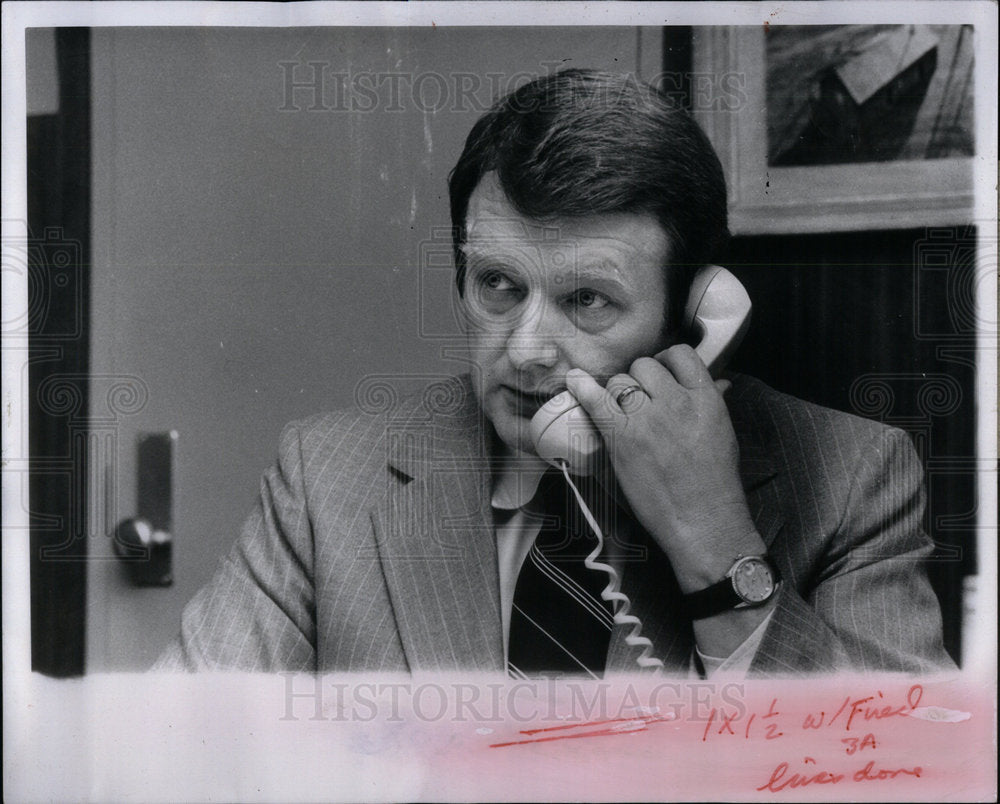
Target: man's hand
(676,459)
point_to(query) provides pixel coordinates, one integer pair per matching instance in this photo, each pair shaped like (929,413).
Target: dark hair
(581,142)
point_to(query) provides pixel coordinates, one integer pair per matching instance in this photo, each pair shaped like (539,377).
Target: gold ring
(625,393)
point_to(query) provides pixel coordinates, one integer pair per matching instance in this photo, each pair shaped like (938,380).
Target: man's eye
(590,299)
(496,292)
(495,280)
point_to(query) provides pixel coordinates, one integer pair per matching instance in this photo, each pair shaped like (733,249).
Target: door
(263,204)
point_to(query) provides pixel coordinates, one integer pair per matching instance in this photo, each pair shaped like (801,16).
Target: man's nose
(534,340)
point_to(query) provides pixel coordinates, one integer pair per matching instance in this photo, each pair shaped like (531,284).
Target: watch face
(753,580)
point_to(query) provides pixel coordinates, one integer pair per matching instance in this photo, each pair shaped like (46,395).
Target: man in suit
(752,532)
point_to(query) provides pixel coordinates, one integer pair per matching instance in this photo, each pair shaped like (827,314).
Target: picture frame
(771,199)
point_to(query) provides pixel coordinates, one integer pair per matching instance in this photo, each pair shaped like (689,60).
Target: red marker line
(645,718)
(598,733)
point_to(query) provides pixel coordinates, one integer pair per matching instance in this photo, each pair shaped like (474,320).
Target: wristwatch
(750,582)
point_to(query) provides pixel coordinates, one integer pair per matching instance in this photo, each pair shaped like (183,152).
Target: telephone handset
(717,313)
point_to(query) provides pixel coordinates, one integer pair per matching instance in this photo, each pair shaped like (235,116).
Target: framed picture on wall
(841,127)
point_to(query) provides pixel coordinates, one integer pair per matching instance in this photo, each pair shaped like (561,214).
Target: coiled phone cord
(619,601)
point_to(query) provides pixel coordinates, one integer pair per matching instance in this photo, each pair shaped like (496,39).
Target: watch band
(724,596)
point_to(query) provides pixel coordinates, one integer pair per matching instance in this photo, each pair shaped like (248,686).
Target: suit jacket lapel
(435,535)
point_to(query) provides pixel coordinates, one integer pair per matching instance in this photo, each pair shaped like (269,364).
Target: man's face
(540,299)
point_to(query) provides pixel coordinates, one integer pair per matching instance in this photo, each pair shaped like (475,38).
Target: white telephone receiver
(717,312)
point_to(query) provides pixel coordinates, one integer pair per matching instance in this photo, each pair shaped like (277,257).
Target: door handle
(144,543)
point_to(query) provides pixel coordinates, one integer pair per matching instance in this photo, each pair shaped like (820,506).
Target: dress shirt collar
(515,478)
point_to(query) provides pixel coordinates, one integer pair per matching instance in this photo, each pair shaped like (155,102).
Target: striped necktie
(559,622)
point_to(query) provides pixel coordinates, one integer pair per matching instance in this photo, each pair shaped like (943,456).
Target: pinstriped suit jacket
(372,548)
